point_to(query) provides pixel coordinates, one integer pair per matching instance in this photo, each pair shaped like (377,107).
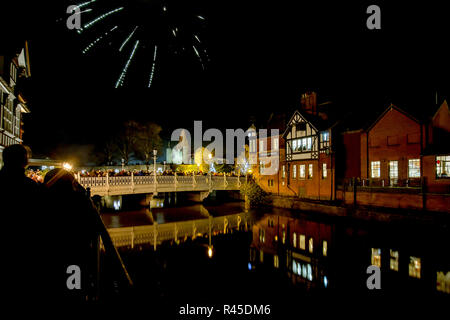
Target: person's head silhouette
(16,156)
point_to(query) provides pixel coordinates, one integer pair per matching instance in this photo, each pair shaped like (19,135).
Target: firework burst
(141,32)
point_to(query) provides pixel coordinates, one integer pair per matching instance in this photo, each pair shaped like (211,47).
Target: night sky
(263,56)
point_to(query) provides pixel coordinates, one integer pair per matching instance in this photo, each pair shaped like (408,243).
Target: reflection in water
(162,212)
(312,252)
(316,253)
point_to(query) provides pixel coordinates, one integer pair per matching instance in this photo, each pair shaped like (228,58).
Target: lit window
(324,170)
(302,171)
(283,239)
(394,260)
(443,282)
(310,171)
(283,172)
(304,271)
(276,261)
(324,248)
(294,145)
(325,281)
(262,235)
(443,167)
(414,168)
(294,266)
(324,139)
(311,243)
(375,167)
(310,277)
(261,145)
(294,171)
(414,267)
(261,167)
(302,243)
(393,170)
(376,257)
(294,240)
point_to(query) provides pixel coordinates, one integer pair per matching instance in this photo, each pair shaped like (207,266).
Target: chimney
(309,102)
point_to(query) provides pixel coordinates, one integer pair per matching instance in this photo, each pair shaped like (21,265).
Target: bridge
(129,237)
(133,184)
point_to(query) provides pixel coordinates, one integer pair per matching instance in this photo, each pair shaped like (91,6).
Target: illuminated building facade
(14,66)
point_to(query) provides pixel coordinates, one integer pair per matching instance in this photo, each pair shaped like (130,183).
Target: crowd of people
(35,175)
(170,172)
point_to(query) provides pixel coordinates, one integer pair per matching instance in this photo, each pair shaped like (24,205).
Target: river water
(285,255)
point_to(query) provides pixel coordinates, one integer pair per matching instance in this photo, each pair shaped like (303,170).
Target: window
(276,261)
(443,167)
(294,171)
(302,242)
(262,235)
(325,248)
(375,168)
(283,172)
(414,168)
(309,268)
(311,245)
(324,170)
(294,145)
(302,171)
(393,265)
(414,267)
(275,144)
(261,145)
(324,139)
(376,257)
(283,237)
(443,281)
(294,240)
(261,167)
(393,170)
(310,171)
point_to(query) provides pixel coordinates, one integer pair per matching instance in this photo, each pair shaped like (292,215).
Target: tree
(148,139)
(108,149)
(127,139)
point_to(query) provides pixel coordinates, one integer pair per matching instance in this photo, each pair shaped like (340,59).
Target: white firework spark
(128,38)
(124,71)
(93,43)
(153,68)
(99,18)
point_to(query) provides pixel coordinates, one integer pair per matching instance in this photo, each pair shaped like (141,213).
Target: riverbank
(372,213)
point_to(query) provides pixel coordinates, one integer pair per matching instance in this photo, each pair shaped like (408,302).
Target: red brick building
(404,162)
(399,160)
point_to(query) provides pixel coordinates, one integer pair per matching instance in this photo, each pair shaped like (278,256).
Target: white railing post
(210,181)
(193,180)
(154,235)
(132,238)
(107,182)
(132,181)
(176,181)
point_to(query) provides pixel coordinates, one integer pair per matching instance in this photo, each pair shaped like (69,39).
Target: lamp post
(154,167)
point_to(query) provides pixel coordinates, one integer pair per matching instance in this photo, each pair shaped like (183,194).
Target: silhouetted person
(75,227)
(20,202)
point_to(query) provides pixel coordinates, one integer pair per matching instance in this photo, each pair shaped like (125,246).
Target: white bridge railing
(157,233)
(146,184)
